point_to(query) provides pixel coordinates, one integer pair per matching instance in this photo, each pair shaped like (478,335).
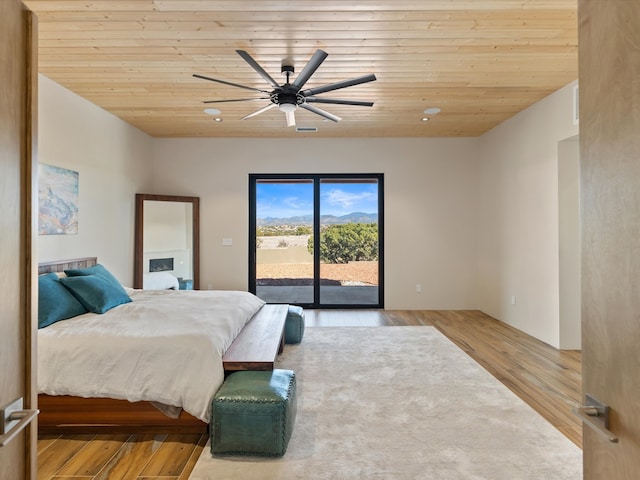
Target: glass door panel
(349,241)
(284,216)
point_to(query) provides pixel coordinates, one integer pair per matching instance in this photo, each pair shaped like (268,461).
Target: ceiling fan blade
(291,118)
(337,101)
(258,112)
(335,86)
(235,100)
(249,59)
(320,112)
(224,82)
(309,69)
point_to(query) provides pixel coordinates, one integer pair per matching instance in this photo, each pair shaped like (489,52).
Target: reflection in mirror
(168,239)
(166,250)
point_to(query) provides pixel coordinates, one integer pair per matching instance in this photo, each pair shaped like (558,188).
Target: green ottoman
(294,325)
(253,413)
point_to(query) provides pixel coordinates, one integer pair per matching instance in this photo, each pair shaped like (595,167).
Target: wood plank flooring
(547,379)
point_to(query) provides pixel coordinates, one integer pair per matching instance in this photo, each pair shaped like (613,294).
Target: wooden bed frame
(255,348)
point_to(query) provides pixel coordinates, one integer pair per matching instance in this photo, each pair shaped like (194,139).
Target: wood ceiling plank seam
(294,5)
(500,24)
(271,16)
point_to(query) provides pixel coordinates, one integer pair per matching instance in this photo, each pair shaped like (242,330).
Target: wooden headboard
(62,265)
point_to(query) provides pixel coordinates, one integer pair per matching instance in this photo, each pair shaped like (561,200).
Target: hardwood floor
(547,379)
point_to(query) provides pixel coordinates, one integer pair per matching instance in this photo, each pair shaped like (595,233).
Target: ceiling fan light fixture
(287,107)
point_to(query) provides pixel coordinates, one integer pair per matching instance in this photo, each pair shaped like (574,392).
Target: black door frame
(317,177)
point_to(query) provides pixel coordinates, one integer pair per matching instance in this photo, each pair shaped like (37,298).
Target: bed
(151,364)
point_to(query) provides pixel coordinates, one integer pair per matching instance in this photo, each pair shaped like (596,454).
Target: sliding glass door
(349,251)
(282,229)
(316,240)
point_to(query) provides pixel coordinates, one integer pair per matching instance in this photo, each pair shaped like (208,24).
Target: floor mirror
(166,241)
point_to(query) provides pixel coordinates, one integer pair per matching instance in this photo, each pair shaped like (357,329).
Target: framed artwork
(57,200)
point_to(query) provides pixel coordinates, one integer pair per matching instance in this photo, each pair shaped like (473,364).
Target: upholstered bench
(253,413)
(294,325)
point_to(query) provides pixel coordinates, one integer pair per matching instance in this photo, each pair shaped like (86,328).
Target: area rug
(402,403)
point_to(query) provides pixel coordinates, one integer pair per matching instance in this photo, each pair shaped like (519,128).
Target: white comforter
(165,346)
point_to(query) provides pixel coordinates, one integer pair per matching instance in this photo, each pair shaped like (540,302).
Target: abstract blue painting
(57,200)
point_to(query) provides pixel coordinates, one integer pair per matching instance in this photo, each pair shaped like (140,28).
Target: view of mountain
(355,217)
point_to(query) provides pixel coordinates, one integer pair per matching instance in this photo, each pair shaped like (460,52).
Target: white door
(609,58)
(18,436)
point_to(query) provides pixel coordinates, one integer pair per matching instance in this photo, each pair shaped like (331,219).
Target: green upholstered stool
(253,413)
(294,325)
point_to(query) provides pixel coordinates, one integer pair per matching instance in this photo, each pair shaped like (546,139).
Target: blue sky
(283,200)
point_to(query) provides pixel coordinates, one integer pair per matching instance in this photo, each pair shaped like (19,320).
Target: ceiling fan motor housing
(287,98)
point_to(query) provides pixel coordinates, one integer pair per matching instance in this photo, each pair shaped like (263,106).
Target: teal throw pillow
(97,269)
(96,293)
(55,302)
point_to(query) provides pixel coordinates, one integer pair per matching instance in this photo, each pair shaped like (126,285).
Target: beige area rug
(402,403)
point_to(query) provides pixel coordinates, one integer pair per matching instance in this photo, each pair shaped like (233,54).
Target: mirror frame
(138,267)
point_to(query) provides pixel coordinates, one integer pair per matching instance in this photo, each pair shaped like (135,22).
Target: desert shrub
(350,242)
(303,230)
(280,230)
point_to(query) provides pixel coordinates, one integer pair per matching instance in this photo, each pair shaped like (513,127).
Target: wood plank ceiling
(479,61)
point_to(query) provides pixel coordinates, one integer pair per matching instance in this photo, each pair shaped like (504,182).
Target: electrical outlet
(513,299)
(418,288)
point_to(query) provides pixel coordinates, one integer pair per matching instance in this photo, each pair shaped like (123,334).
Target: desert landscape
(284,260)
(353,273)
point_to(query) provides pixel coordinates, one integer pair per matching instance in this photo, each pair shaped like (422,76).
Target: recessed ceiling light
(217,119)
(431,111)
(212,111)
(424,119)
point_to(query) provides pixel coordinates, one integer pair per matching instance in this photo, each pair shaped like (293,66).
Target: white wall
(113,160)
(569,244)
(518,246)
(430,205)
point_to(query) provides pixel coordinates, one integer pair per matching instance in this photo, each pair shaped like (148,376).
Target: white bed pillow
(159,281)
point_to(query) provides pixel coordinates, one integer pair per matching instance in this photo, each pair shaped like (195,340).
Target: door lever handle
(596,416)
(14,419)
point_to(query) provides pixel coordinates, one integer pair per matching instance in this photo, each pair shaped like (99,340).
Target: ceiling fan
(289,96)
